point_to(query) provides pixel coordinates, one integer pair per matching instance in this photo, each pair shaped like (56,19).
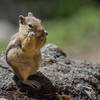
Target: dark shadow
(46,85)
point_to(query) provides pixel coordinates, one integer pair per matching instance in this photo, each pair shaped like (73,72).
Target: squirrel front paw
(30,34)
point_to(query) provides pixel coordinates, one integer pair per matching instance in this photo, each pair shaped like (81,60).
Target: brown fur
(23,50)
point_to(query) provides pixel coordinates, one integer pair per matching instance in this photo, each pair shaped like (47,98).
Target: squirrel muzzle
(43,33)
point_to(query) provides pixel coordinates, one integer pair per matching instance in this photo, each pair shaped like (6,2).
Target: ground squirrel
(23,51)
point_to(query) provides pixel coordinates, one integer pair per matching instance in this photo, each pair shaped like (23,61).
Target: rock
(61,78)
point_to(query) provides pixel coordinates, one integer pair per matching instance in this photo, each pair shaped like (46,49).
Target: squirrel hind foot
(34,84)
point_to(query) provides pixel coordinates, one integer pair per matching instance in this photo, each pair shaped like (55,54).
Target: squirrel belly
(24,61)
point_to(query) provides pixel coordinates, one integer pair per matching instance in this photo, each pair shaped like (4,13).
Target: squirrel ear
(21,19)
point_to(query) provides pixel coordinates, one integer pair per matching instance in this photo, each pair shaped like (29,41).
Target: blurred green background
(73,25)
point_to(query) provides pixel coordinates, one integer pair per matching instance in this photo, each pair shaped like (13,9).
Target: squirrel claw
(34,84)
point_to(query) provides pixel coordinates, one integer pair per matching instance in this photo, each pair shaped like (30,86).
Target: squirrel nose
(45,32)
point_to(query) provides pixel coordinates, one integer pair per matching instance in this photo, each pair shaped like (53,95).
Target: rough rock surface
(61,78)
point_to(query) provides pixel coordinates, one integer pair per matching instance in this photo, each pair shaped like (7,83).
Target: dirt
(61,78)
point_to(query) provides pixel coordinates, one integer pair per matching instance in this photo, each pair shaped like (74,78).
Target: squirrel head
(31,26)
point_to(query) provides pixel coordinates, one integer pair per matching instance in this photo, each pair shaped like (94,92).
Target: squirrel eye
(30,25)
